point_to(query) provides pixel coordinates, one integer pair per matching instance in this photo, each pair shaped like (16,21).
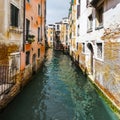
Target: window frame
(90,23)
(14,15)
(99,21)
(38,52)
(39,34)
(27,28)
(101,58)
(77,45)
(83,48)
(78,30)
(27,60)
(28,1)
(39,10)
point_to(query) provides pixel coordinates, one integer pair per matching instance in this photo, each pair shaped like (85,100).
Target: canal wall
(97,48)
(22,79)
(10,94)
(12,78)
(105,74)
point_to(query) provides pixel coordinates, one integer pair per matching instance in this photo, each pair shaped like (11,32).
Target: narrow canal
(59,91)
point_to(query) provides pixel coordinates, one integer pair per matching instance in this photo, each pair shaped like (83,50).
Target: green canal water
(59,91)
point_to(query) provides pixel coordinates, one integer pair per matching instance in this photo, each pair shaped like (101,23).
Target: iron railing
(7,79)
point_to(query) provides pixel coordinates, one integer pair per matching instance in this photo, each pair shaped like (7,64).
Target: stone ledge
(10,96)
(108,97)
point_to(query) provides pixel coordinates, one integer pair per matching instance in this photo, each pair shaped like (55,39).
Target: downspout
(24,26)
(41,20)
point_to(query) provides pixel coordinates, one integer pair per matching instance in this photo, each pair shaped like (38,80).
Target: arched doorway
(91,52)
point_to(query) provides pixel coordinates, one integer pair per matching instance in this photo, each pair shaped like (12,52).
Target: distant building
(61,34)
(50,35)
(64,33)
(57,42)
(72,28)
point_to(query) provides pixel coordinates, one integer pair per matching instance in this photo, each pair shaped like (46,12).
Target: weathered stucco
(104,69)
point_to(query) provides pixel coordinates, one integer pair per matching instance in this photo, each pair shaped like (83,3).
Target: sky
(56,10)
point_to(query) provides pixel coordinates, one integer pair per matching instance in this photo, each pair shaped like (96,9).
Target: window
(83,47)
(77,46)
(78,30)
(39,35)
(87,3)
(39,11)
(51,38)
(78,58)
(28,0)
(14,16)
(99,17)
(38,53)
(57,27)
(51,32)
(99,50)
(90,23)
(70,35)
(27,28)
(78,10)
(27,57)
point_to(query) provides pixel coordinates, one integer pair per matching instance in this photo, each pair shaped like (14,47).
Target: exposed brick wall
(108,71)
(5,51)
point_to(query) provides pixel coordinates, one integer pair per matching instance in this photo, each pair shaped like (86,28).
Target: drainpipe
(23,25)
(41,20)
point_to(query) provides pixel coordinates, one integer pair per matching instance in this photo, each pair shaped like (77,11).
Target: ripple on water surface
(59,91)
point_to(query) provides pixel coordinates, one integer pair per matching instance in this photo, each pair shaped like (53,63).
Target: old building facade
(72,28)
(51,35)
(98,43)
(64,33)
(57,42)
(61,34)
(11,45)
(34,40)
(22,44)
(11,32)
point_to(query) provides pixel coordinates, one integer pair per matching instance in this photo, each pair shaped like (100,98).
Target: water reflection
(58,92)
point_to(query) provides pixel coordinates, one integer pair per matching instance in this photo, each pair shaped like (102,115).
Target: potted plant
(31,38)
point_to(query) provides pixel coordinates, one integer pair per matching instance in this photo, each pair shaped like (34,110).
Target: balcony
(30,38)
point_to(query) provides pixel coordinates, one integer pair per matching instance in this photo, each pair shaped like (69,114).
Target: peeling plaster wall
(106,71)
(36,21)
(8,34)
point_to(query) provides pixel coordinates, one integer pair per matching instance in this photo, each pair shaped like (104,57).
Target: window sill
(99,27)
(89,30)
(15,29)
(99,59)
